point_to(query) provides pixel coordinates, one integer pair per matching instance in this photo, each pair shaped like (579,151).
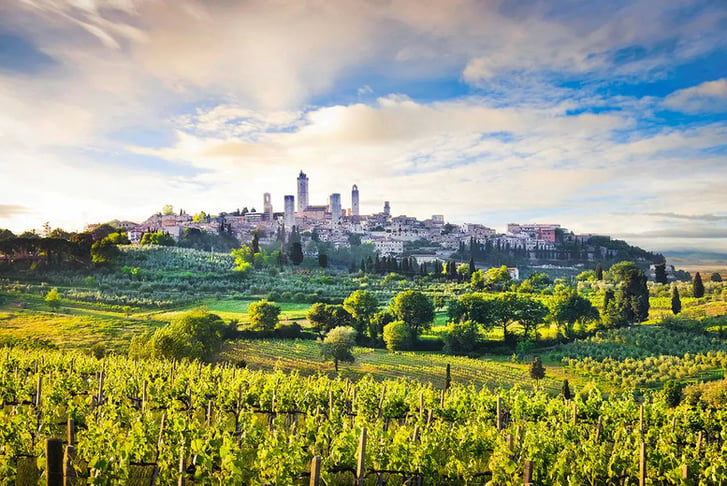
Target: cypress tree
(698,286)
(599,272)
(676,303)
(660,273)
(565,390)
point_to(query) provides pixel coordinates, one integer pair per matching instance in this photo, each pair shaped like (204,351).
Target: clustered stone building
(334,224)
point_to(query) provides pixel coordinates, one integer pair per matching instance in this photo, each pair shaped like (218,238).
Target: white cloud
(708,97)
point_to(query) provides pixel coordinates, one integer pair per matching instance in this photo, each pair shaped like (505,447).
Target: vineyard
(189,423)
(645,356)
(305,356)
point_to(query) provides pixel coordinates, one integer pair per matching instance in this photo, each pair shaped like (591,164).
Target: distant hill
(698,261)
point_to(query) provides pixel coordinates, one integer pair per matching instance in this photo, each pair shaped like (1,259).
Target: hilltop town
(425,241)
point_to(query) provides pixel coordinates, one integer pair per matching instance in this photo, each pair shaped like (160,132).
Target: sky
(605,117)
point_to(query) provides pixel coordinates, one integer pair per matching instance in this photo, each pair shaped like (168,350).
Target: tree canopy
(413,308)
(263,315)
(338,345)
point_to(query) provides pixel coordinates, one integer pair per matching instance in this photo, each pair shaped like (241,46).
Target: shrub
(196,334)
(397,336)
(289,331)
(461,337)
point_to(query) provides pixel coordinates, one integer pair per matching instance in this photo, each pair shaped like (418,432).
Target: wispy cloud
(710,96)
(10,210)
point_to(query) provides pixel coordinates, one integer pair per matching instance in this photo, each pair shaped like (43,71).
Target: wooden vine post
(642,464)
(315,471)
(361,461)
(499,413)
(528,473)
(54,462)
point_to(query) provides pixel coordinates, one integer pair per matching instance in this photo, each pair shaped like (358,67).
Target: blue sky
(606,117)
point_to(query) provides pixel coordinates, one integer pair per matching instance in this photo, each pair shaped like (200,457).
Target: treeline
(567,249)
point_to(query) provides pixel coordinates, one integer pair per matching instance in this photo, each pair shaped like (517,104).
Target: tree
(676,302)
(461,337)
(196,334)
(672,393)
(338,345)
(599,272)
(319,318)
(104,251)
(415,309)
(529,313)
(698,286)
(322,260)
(53,299)
(537,371)
(660,273)
(167,209)
(244,258)
(200,217)
(716,277)
(362,305)
(263,315)
(632,298)
(565,390)
(296,253)
(569,308)
(118,238)
(397,336)
(324,317)
(157,238)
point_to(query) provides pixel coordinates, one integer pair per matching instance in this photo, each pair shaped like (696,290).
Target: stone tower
(354,201)
(289,218)
(334,205)
(267,207)
(303,202)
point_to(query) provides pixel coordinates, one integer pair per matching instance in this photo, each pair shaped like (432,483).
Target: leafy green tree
(539,280)
(676,302)
(319,318)
(244,258)
(397,336)
(167,209)
(362,305)
(118,239)
(698,286)
(537,370)
(338,345)
(415,309)
(530,313)
(672,393)
(157,238)
(716,277)
(461,337)
(660,273)
(53,299)
(196,334)
(569,308)
(477,279)
(200,217)
(263,315)
(104,251)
